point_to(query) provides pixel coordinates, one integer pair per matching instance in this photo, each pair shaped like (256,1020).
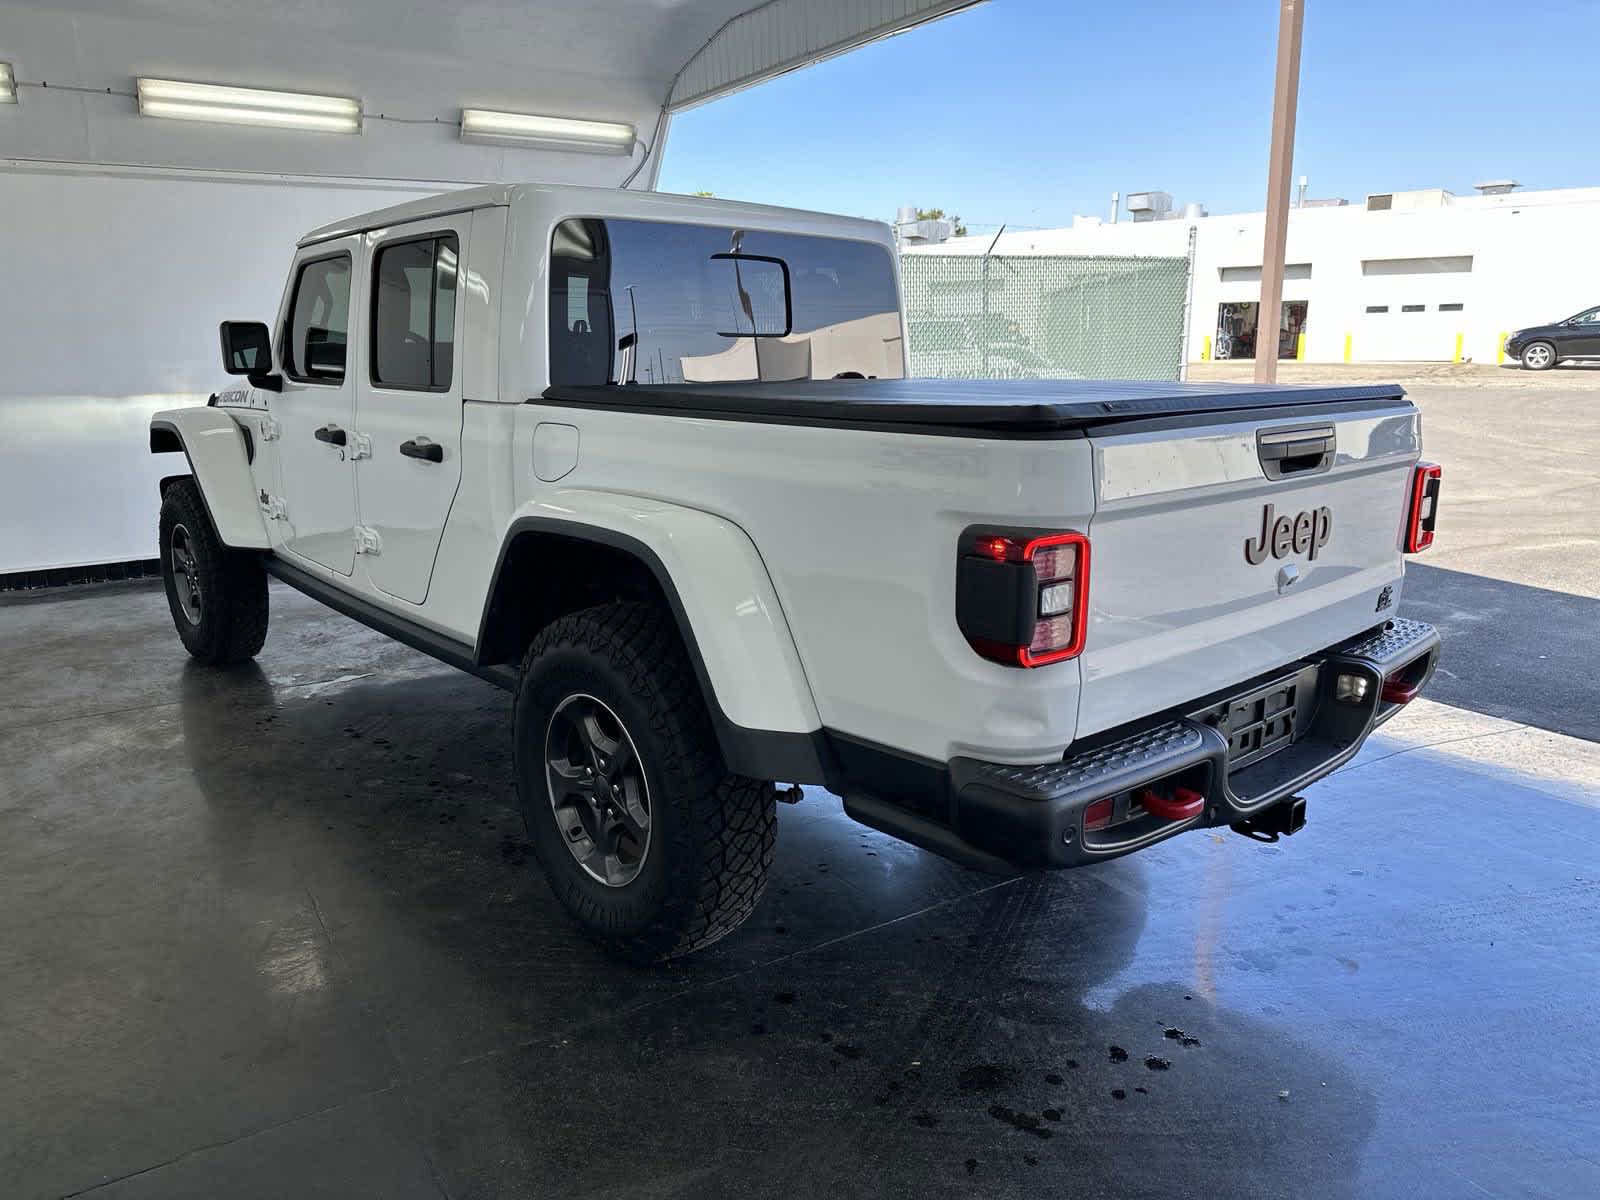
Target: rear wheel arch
(596,566)
(600,566)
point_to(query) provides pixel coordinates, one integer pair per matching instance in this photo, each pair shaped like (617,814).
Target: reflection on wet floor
(274,932)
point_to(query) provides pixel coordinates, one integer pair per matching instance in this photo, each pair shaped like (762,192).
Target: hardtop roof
(605,201)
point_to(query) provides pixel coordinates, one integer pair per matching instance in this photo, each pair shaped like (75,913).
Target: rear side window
(414,313)
(657,302)
(319,321)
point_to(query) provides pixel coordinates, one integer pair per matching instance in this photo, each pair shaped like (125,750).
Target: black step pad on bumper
(1004,815)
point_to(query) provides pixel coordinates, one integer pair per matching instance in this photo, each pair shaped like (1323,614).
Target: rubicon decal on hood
(1304,533)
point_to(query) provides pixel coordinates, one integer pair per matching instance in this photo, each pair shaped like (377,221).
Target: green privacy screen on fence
(1009,316)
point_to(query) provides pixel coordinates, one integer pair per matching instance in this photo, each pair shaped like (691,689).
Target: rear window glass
(414,313)
(654,302)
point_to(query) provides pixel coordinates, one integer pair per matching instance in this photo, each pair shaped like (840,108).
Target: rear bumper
(1242,751)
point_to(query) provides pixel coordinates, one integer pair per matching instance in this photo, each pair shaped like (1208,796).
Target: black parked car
(1541,347)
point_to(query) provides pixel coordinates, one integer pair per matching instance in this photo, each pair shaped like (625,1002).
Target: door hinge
(269,429)
(273,508)
(368,541)
(360,446)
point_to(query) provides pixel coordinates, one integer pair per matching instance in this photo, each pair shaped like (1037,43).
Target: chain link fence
(1008,316)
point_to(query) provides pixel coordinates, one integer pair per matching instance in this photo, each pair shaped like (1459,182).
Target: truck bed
(1028,408)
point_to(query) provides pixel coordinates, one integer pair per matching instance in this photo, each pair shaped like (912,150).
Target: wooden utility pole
(1285,94)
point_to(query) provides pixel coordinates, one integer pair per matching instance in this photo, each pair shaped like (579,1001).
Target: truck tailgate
(1197,583)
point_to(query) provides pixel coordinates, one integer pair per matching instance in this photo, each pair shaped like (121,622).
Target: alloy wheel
(185,574)
(597,790)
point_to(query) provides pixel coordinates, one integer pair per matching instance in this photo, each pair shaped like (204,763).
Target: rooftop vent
(1496,187)
(1149,206)
(912,232)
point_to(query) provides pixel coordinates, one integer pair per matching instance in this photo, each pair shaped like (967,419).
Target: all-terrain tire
(711,832)
(218,596)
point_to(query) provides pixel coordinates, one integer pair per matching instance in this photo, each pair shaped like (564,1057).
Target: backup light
(551,133)
(1351,689)
(248,106)
(8,84)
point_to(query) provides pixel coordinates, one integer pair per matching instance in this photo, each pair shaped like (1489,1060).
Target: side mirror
(246,348)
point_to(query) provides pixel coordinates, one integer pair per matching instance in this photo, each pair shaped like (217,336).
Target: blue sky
(1028,111)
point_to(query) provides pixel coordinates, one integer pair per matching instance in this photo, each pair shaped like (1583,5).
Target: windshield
(655,302)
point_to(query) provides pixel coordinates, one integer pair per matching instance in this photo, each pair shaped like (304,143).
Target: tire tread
(732,821)
(235,612)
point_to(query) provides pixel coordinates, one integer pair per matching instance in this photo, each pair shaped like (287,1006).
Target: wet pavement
(275,932)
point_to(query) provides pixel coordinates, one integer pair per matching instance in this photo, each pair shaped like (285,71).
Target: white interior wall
(113,285)
(125,239)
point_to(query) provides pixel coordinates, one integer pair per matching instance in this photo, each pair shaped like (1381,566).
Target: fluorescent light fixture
(248,106)
(8,85)
(551,133)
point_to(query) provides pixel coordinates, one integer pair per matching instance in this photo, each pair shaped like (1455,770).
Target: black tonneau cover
(958,407)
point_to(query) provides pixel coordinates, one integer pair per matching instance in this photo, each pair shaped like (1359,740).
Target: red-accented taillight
(1023,599)
(1424,507)
(1061,562)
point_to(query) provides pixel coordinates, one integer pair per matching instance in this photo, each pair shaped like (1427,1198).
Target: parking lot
(1513,582)
(276,932)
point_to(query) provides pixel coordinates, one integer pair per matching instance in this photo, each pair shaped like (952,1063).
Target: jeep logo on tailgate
(1304,533)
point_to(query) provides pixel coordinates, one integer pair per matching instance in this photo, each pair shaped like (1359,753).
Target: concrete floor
(274,932)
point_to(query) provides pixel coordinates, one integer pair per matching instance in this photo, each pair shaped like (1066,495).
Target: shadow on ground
(1523,653)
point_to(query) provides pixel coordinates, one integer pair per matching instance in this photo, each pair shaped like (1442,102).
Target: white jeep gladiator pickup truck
(651,463)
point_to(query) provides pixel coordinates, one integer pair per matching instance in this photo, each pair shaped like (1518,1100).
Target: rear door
(1222,551)
(315,411)
(409,398)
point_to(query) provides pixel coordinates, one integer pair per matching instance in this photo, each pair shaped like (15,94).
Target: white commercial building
(1405,276)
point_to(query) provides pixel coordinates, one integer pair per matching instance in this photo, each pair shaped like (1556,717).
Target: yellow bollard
(1347,347)
(1460,337)
(1300,347)
(1500,354)
(1205,349)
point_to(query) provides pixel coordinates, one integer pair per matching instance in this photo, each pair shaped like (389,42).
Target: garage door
(1412,308)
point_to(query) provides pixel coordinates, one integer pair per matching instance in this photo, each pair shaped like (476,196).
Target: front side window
(319,321)
(1592,317)
(655,302)
(414,313)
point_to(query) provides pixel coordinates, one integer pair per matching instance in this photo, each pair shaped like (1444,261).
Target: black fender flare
(758,753)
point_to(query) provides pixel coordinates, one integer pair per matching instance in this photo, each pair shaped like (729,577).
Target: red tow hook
(1185,803)
(1398,691)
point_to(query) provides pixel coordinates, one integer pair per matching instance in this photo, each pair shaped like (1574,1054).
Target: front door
(315,411)
(409,398)
(1583,335)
